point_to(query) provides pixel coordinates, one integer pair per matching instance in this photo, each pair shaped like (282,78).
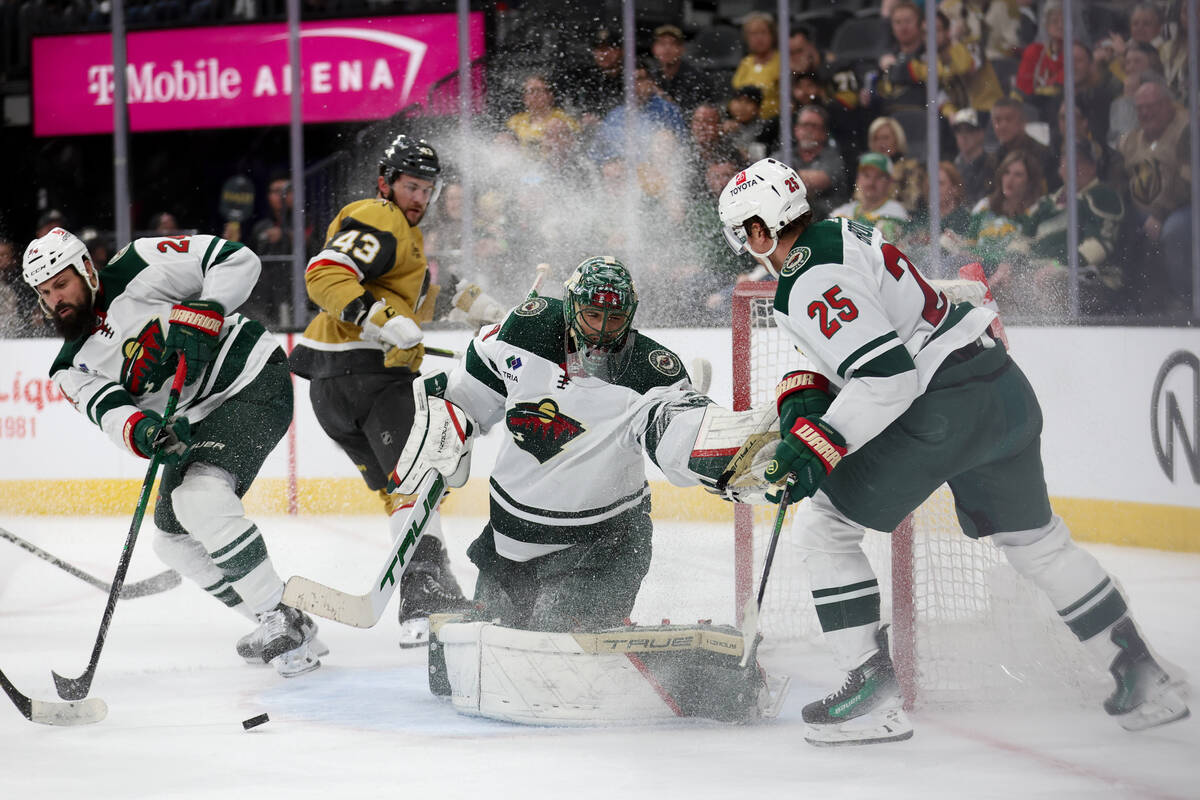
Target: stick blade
(749,629)
(84,712)
(162,582)
(329,603)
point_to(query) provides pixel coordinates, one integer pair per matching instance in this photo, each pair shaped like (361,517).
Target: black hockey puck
(254,722)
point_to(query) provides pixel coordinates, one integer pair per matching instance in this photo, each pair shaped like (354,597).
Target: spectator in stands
(848,119)
(650,113)
(590,92)
(909,186)
(1012,26)
(1008,123)
(760,67)
(708,145)
(817,160)
(969,78)
(1110,166)
(1095,90)
(1001,226)
(721,273)
(899,85)
(99,245)
(529,125)
(272,235)
(20,315)
(163,223)
(1141,64)
(563,154)
(955,207)
(1040,75)
(51,219)
(1145,26)
(1174,54)
(1100,216)
(875,206)
(804,56)
(1157,158)
(271,238)
(680,81)
(975,164)
(745,128)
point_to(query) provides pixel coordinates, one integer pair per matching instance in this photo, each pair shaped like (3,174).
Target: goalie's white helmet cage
(769,190)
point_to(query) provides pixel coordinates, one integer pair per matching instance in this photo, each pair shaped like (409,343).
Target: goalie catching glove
(810,451)
(440,439)
(475,307)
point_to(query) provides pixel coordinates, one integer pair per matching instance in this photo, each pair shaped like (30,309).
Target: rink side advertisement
(1121,443)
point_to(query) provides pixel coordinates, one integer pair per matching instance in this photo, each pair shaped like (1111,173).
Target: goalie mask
(769,191)
(599,302)
(416,157)
(51,254)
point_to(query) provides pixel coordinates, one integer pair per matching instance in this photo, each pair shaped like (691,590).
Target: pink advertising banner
(234,76)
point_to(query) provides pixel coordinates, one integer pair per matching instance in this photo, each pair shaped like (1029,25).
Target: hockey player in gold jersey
(363,350)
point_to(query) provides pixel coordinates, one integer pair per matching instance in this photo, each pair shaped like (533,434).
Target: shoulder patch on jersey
(121,252)
(665,362)
(531,308)
(823,243)
(795,260)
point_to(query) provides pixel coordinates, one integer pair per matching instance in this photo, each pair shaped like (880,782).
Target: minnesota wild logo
(143,369)
(540,429)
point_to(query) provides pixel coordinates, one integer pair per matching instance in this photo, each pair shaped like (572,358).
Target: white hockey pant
(1088,599)
(228,551)
(845,588)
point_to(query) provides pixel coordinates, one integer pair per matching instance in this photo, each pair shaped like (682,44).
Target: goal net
(967,629)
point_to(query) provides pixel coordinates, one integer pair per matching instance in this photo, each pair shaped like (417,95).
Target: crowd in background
(562,168)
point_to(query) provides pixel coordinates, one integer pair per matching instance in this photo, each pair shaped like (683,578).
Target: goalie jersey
(120,366)
(572,454)
(858,308)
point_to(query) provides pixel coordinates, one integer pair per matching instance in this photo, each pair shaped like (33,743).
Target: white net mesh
(983,635)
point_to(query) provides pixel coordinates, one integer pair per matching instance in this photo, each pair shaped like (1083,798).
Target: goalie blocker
(628,675)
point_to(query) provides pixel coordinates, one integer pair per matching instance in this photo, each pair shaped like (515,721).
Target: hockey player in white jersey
(125,327)
(583,396)
(907,391)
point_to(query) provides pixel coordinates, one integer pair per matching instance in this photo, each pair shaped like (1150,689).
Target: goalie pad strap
(799,381)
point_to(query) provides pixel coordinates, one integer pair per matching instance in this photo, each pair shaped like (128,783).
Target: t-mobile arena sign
(236,76)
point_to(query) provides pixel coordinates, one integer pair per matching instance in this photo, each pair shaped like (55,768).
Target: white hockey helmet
(51,254)
(767,189)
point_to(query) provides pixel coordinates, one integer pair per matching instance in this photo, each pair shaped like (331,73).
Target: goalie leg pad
(629,675)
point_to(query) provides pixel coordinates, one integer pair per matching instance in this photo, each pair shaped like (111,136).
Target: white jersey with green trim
(867,319)
(120,368)
(572,451)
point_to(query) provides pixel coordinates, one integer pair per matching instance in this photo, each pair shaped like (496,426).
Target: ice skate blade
(296,662)
(1167,707)
(317,647)
(890,725)
(414,632)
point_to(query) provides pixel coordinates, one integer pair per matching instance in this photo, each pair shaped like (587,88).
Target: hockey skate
(287,641)
(1145,696)
(250,646)
(867,709)
(428,587)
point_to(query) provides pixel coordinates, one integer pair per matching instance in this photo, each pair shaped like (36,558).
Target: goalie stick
(364,610)
(83,712)
(161,582)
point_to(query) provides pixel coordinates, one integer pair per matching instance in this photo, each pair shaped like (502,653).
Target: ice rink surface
(365,725)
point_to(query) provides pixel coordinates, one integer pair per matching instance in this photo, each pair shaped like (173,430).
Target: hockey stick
(77,688)
(152,585)
(50,713)
(541,270)
(364,610)
(444,352)
(750,613)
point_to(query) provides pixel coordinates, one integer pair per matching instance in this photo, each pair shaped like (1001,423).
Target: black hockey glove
(146,434)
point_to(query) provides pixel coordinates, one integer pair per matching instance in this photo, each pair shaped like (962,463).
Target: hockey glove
(810,450)
(475,307)
(146,434)
(801,393)
(387,325)
(195,332)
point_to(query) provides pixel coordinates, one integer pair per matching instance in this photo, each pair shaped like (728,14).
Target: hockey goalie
(582,398)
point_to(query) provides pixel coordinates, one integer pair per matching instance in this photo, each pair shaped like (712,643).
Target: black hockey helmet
(408,156)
